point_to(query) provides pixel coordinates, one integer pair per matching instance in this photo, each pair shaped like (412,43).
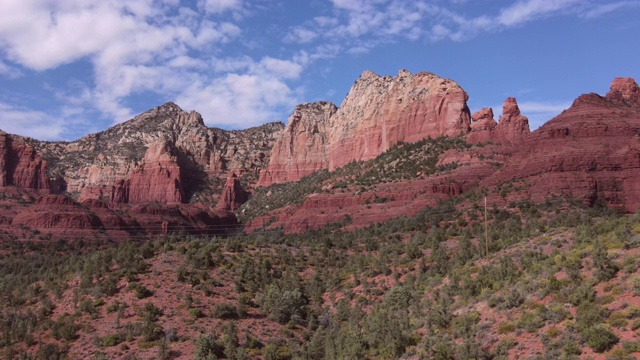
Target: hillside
(559,281)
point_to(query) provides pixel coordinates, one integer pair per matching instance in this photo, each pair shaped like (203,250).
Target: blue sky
(72,67)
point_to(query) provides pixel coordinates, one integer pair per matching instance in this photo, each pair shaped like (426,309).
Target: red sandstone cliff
(380,111)
(590,152)
(302,149)
(233,195)
(20,165)
(157,178)
(151,166)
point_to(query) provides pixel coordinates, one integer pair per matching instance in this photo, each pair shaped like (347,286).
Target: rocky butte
(590,152)
(378,112)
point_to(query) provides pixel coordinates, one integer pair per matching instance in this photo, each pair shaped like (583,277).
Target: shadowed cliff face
(303,147)
(20,165)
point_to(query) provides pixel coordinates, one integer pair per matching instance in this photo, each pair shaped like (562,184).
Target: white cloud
(281,68)
(300,35)
(238,100)
(387,20)
(535,107)
(134,46)
(36,124)
(219,6)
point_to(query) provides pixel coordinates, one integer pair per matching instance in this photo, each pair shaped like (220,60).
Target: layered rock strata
(378,112)
(303,147)
(381,111)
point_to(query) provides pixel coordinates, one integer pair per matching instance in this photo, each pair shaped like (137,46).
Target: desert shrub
(530,322)
(64,328)
(87,306)
(617,320)
(112,340)
(196,313)
(141,291)
(464,325)
(635,285)
(284,305)
(588,314)
(225,311)
(397,298)
(504,345)
(631,346)
(600,338)
(581,294)
(276,351)
(207,348)
(506,327)
(50,352)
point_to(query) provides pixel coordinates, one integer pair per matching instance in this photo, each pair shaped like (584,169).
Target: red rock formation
(512,127)
(302,148)
(482,126)
(157,178)
(20,165)
(591,152)
(233,195)
(379,112)
(624,90)
(57,212)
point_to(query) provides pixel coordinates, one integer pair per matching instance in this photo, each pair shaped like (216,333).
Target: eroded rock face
(512,126)
(57,212)
(157,178)
(511,129)
(233,195)
(20,165)
(165,157)
(380,111)
(205,155)
(303,147)
(624,89)
(590,152)
(482,126)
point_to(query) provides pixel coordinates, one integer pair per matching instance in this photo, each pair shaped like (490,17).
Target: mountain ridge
(169,158)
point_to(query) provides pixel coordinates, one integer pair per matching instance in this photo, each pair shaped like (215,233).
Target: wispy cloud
(31,123)
(382,21)
(603,9)
(9,71)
